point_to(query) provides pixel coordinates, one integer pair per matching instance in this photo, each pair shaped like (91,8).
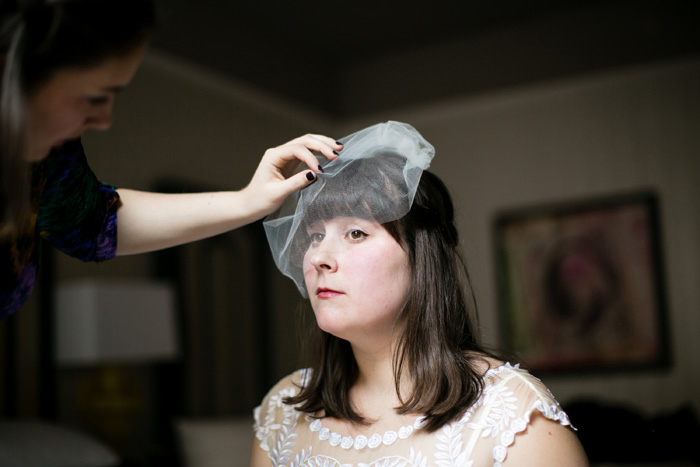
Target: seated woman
(397,376)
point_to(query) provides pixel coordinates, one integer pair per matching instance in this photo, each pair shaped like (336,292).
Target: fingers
(301,149)
(298,181)
(276,177)
(316,143)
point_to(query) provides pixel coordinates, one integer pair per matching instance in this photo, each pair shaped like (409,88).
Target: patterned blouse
(480,437)
(71,210)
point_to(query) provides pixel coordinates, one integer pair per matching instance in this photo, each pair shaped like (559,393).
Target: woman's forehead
(345,220)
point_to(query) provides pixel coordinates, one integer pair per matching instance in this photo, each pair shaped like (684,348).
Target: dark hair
(436,330)
(383,189)
(38,38)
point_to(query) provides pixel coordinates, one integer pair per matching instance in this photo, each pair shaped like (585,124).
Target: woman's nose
(323,257)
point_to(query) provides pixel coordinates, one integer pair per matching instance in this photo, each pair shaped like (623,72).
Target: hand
(271,183)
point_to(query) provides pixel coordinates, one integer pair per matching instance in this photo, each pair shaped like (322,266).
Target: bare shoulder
(546,443)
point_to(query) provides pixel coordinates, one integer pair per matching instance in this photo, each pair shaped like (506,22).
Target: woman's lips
(327,293)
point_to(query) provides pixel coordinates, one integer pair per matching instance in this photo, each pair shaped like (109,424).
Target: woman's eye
(316,238)
(356,235)
(98,100)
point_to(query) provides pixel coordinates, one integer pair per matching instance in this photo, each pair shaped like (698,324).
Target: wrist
(253,206)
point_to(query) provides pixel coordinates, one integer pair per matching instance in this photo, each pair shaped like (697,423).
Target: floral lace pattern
(485,431)
(362,441)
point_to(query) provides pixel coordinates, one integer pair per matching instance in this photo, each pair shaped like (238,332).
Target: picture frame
(580,284)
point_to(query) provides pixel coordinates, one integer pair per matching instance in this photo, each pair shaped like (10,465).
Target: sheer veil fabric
(376,176)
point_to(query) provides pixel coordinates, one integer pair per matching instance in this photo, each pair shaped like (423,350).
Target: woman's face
(357,277)
(75,99)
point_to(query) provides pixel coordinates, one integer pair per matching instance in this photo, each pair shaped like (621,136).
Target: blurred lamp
(100,322)
(106,328)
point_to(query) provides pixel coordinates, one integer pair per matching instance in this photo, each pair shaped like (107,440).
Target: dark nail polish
(336,153)
(338,143)
(309,176)
(320,169)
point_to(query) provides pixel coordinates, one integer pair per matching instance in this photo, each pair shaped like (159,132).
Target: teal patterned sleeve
(77,213)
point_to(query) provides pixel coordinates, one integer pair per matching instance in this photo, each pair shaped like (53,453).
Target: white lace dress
(479,438)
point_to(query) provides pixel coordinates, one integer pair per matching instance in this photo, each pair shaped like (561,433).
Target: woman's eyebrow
(314,226)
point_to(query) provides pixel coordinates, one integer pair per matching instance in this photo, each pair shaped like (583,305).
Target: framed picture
(580,284)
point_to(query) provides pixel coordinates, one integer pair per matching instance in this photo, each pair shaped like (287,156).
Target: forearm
(153,221)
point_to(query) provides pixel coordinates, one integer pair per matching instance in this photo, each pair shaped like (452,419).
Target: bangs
(370,191)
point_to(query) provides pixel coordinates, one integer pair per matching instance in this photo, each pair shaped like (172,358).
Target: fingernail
(338,143)
(320,169)
(336,153)
(309,176)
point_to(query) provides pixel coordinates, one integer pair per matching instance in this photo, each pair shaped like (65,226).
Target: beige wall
(590,135)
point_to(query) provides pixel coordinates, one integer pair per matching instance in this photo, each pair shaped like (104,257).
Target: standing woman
(62,64)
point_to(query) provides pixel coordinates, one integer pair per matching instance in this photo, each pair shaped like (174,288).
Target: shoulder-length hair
(436,333)
(38,38)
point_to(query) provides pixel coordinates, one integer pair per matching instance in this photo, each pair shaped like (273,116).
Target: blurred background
(527,104)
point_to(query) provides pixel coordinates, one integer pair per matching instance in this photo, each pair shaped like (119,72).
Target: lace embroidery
(503,407)
(518,425)
(305,459)
(361,441)
(505,366)
(449,448)
(503,404)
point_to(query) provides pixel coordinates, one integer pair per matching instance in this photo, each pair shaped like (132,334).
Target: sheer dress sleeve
(511,396)
(275,421)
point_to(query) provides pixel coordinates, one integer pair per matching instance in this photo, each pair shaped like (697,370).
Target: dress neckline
(361,441)
(389,436)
